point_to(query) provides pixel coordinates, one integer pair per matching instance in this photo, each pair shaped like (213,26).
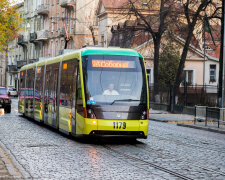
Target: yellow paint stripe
(82,82)
(146,84)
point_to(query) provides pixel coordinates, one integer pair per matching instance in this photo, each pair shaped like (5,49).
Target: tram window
(67,85)
(39,82)
(109,78)
(79,100)
(22,82)
(52,70)
(30,82)
(48,84)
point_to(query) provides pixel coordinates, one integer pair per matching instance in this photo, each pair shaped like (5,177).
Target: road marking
(15,110)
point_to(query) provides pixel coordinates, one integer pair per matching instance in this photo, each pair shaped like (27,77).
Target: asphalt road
(170,152)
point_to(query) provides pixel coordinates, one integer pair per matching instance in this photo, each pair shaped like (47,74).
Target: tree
(10,23)
(168,64)
(155,16)
(194,11)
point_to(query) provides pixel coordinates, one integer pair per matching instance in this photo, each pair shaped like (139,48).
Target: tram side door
(47,95)
(73,121)
(53,99)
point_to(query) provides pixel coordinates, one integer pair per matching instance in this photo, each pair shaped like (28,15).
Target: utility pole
(204,22)
(222,101)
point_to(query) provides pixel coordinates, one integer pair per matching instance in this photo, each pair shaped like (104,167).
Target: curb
(12,170)
(202,128)
(173,122)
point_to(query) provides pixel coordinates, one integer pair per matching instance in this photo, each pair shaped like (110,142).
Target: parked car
(5,102)
(12,92)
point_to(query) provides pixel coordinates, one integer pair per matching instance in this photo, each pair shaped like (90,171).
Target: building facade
(50,26)
(3,63)
(16,55)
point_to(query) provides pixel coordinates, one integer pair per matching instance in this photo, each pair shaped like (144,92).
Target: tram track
(167,154)
(187,144)
(148,163)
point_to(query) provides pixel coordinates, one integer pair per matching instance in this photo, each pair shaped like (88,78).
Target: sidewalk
(211,128)
(7,168)
(164,116)
(183,120)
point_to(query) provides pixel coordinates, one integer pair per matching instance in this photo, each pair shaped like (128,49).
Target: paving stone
(45,154)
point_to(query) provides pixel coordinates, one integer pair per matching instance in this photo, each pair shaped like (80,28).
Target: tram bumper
(124,128)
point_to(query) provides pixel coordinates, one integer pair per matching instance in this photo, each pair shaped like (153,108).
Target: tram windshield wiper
(129,100)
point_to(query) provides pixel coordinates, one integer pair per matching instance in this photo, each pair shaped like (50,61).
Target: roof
(183,41)
(114,3)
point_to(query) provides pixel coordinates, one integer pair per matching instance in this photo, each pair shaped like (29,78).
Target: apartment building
(2,69)
(50,26)
(16,54)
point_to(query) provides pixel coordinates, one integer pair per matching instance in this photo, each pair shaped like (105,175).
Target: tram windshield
(112,79)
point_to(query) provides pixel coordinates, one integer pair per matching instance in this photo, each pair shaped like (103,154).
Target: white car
(12,92)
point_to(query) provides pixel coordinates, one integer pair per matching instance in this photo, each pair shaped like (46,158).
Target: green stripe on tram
(109,51)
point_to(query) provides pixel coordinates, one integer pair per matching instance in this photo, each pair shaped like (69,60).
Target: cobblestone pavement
(41,153)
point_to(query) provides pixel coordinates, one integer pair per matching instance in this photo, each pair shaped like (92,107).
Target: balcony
(21,63)
(67,3)
(33,37)
(42,35)
(22,39)
(11,68)
(43,9)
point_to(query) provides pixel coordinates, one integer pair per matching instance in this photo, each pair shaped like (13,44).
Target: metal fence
(187,96)
(210,116)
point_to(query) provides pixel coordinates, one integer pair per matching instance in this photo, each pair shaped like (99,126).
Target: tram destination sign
(112,64)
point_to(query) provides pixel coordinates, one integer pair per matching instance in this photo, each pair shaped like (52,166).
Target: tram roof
(109,51)
(84,52)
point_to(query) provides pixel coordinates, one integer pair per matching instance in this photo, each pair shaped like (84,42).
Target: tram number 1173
(119,125)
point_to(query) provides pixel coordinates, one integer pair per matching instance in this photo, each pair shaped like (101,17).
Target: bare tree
(156,17)
(194,10)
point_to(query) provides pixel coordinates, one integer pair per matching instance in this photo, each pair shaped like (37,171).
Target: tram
(91,91)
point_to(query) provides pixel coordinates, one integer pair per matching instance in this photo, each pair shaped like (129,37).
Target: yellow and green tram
(91,91)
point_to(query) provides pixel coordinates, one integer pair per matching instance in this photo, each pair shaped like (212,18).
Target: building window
(52,46)
(62,44)
(57,47)
(149,76)
(52,25)
(102,40)
(189,76)
(10,79)
(212,73)
(57,23)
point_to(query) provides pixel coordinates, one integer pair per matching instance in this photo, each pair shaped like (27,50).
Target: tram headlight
(143,115)
(91,115)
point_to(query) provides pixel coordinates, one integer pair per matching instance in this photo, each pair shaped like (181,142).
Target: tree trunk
(92,34)
(156,68)
(182,60)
